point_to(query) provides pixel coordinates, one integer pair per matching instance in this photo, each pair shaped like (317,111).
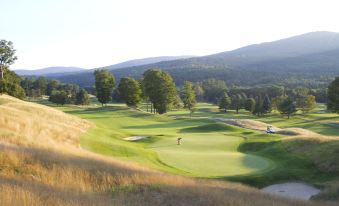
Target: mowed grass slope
(208,149)
(43,165)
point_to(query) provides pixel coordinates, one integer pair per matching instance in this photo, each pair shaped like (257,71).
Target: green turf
(208,149)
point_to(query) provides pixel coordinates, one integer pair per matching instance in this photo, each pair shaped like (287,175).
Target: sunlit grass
(38,167)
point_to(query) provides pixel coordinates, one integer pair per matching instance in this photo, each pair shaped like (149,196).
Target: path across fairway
(209,155)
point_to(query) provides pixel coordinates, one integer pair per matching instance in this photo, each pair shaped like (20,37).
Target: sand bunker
(293,190)
(135,138)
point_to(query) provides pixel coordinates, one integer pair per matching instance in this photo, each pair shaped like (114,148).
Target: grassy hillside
(41,164)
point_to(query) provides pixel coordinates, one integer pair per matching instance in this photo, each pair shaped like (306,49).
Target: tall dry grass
(41,164)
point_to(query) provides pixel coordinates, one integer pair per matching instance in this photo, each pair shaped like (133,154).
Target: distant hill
(310,59)
(48,71)
(150,60)
(56,72)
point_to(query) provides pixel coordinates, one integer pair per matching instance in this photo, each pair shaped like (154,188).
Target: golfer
(179,140)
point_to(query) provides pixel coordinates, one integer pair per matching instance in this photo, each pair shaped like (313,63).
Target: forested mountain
(310,59)
(144,61)
(48,71)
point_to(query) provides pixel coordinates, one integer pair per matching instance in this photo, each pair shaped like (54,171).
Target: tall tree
(258,109)
(51,85)
(27,85)
(225,102)
(188,96)
(40,85)
(250,104)
(287,107)
(277,101)
(82,97)
(7,56)
(160,89)
(333,96)
(306,103)
(213,90)
(130,91)
(104,84)
(199,91)
(266,105)
(236,102)
(58,97)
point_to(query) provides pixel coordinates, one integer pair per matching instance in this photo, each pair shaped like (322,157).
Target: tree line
(57,92)
(158,88)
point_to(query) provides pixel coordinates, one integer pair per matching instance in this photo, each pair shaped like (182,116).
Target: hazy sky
(94,33)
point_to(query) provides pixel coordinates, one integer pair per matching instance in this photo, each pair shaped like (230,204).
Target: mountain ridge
(312,56)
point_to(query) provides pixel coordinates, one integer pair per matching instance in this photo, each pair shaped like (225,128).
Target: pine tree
(225,102)
(258,109)
(267,107)
(236,102)
(250,104)
(188,96)
(333,96)
(287,107)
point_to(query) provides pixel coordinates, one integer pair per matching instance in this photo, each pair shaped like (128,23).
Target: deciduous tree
(104,84)
(306,103)
(7,56)
(130,91)
(160,89)
(82,97)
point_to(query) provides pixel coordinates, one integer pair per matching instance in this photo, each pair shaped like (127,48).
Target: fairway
(208,149)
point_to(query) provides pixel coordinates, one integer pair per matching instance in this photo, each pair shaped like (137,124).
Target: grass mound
(324,152)
(213,127)
(32,124)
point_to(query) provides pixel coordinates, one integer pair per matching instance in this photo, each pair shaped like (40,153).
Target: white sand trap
(293,190)
(135,138)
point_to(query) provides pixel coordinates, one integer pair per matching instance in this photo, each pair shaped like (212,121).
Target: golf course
(211,148)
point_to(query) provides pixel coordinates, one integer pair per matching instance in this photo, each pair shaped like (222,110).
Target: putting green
(209,155)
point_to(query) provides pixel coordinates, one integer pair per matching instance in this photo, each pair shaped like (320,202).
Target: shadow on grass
(215,127)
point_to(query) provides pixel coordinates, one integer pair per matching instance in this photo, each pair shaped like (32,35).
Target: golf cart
(270,130)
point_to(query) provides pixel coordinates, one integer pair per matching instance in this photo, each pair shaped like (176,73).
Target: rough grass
(41,164)
(27,123)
